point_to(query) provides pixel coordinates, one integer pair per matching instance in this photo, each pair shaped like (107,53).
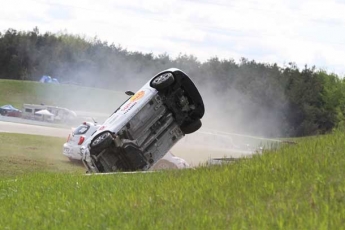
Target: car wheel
(192,127)
(102,140)
(162,81)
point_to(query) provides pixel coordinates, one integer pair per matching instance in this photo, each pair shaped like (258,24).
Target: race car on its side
(146,126)
(76,138)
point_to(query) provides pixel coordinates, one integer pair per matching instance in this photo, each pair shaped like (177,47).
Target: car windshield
(120,106)
(81,130)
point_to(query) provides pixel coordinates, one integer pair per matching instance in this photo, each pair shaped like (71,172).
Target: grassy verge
(297,187)
(70,96)
(25,154)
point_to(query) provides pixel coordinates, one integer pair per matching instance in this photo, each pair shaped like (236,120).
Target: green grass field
(296,187)
(70,96)
(23,154)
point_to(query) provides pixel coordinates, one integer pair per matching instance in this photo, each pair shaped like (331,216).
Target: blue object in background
(9,110)
(54,80)
(48,79)
(8,107)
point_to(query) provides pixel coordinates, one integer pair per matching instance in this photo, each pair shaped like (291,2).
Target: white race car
(146,126)
(76,138)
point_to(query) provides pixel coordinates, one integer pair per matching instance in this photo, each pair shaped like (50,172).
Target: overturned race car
(76,138)
(146,126)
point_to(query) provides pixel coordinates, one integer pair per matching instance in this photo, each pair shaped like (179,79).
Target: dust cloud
(226,110)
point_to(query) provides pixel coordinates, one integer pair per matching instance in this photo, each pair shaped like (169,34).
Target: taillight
(81,140)
(69,137)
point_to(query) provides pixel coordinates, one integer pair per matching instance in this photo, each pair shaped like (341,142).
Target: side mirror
(129,93)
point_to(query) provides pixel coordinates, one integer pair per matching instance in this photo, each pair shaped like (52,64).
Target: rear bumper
(71,152)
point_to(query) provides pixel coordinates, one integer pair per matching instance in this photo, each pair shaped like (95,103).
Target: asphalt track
(12,127)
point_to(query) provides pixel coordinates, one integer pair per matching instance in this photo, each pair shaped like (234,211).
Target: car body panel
(127,110)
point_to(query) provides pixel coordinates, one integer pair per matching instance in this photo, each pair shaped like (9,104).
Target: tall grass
(295,187)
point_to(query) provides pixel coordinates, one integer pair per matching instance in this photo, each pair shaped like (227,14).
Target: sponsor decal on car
(101,128)
(125,107)
(130,107)
(137,96)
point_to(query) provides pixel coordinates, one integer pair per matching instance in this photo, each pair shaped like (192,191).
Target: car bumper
(70,152)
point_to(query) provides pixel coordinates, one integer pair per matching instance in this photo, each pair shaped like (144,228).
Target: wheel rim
(161,78)
(100,139)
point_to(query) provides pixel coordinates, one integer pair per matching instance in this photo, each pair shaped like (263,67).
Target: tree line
(303,101)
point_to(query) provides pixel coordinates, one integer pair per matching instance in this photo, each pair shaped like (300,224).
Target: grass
(296,187)
(23,154)
(63,95)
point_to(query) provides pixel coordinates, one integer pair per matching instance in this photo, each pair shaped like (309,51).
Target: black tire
(101,141)
(162,81)
(3,112)
(192,127)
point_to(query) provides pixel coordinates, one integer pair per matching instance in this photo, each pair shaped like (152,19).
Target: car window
(81,130)
(120,106)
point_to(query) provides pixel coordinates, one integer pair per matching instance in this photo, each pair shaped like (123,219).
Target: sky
(308,32)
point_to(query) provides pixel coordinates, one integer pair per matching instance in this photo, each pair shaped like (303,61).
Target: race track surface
(11,127)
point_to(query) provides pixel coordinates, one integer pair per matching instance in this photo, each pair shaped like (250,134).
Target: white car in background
(76,138)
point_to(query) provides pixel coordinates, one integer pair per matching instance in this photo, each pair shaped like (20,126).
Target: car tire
(101,141)
(162,81)
(191,127)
